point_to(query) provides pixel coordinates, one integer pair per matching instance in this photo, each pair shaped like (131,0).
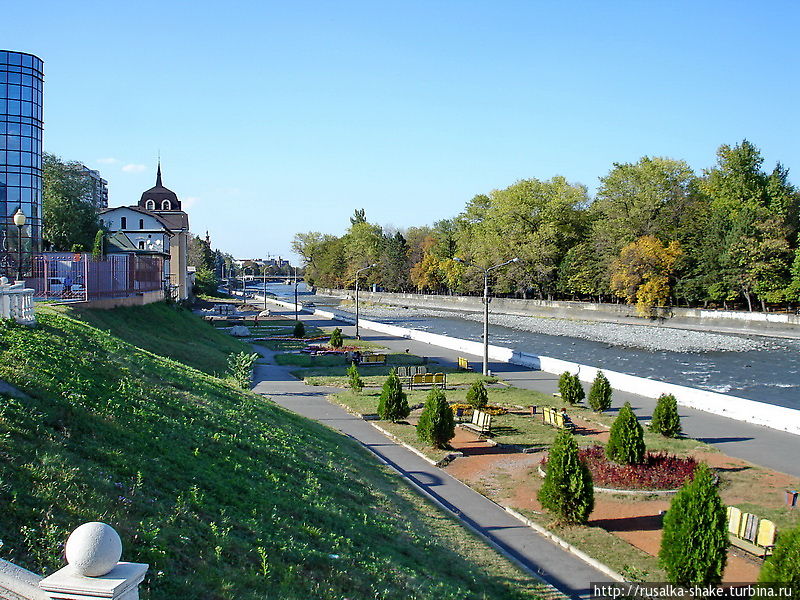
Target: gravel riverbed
(647,337)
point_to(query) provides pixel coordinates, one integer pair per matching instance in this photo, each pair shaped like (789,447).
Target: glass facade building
(21,81)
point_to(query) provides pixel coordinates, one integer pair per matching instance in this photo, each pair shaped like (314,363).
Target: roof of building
(119,243)
(158,217)
(159,193)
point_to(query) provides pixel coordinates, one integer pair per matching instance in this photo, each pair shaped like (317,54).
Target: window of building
(123,223)
(141,223)
(166,205)
(150,205)
(141,245)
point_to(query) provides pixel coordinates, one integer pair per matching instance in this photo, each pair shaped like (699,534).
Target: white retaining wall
(741,409)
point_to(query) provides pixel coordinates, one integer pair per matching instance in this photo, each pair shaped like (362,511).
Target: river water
(770,374)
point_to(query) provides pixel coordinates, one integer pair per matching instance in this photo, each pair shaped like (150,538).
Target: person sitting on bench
(567,421)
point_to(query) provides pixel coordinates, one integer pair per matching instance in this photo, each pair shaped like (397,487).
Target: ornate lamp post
(19,221)
(486,305)
(358,337)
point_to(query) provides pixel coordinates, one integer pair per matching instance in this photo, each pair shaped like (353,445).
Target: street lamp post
(296,309)
(358,337)
(19,221)
(264,272)
(486,272)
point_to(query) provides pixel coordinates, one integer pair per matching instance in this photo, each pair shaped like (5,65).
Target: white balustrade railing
(16,302)
(94,570)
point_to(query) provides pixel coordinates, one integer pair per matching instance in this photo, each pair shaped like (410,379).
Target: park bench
(425,379)
(463,363)
(551,416)
(372,359)
(481,423)
(410,371)
(224,309)
(748,532)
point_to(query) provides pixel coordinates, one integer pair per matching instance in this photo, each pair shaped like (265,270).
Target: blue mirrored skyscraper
(20,157)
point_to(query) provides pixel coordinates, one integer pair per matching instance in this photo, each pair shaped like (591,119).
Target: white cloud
(189,201)
(107,161)
(134,168)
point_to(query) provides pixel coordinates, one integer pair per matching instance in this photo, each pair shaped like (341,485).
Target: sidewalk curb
(447,510)
(446,460)
(564,544)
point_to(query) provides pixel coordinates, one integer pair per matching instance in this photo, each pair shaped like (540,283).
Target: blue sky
(278,117)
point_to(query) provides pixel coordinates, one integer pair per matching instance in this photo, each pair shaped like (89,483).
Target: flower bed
(466,409)
(660,471)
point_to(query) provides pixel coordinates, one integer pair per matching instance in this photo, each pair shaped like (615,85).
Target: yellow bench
(551,416)
(427,379)
(748,532)
(481,423)
(463,363)
(372,359)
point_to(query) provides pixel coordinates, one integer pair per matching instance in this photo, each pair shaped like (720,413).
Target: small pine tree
(477,396)
(336,338)
(694,544)
(600,393)
(666,420)
(783,567)
(354,378)
(436,423)
(567,491)
(393,404)
(570,387)
(299,329)
(626,439)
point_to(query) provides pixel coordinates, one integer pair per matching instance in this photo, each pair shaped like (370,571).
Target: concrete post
(94,570)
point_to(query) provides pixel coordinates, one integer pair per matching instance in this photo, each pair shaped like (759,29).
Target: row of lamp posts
(486,272)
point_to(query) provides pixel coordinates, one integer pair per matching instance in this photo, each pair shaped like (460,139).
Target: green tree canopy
(69,217)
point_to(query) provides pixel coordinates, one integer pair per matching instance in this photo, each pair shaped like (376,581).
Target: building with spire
(157,223)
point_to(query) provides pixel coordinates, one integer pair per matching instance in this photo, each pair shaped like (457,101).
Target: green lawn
(194,472)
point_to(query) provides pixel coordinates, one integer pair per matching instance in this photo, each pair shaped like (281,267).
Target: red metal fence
(77,277)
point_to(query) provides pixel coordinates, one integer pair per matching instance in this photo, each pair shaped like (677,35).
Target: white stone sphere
(93,549)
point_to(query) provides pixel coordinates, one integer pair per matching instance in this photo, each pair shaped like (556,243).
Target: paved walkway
(760,445)
(538,554)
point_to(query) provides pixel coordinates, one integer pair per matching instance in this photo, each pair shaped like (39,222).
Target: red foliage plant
(660,471)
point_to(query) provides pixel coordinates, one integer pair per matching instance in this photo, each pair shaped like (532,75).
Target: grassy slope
(221,492)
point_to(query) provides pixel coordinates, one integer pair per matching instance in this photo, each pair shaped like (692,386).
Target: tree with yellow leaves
(642,271)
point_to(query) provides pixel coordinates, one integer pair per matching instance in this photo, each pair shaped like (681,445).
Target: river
(769,374)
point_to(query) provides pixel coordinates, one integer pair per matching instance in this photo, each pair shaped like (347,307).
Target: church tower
(164,202)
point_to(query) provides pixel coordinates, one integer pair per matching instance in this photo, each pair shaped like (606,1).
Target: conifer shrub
(666,420)
(783,567)
(570,387)
(477,396)
(567,491)
(436,423)
(600,393)
(299,329)
(336,338)
(694,543)
(393,404)
(626,439)
(354,378)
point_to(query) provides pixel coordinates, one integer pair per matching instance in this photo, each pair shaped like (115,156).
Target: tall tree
(754,215)
(200,253)
(642,272)
(68,219)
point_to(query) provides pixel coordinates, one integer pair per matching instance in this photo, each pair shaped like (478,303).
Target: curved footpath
(540,556)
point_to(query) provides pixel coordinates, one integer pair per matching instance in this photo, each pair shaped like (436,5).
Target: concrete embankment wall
(741,409)
(729,321)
